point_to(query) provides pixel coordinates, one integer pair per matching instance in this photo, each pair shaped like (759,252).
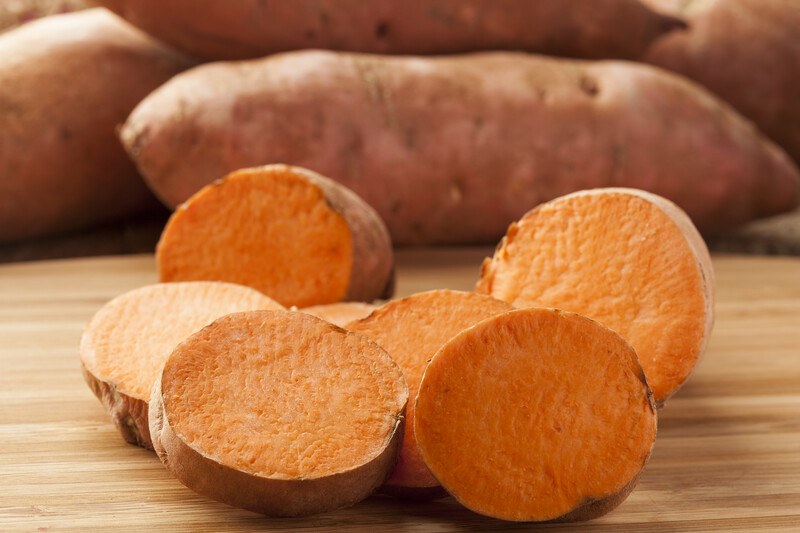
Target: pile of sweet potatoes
(447,149)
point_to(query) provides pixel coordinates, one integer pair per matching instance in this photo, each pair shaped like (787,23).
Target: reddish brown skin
(447,153)
(129,414)
(251,28)
(61,165)
(745,51)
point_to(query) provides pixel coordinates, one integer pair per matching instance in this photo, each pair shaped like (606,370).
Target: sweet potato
(341,313)
(286,231)
(251,28)
(279,412)
(745,51)
(412,330)
(628,259)
(68,81)
(453,149)
(14,13)
(128,340)
(536,414)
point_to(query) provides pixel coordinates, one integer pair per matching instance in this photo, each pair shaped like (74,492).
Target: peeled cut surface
(341,313)
(279,412)
(536,414)
(412,329)
(127,341)
(628,259)
(286,231)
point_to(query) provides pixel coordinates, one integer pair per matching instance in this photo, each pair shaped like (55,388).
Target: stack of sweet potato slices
(531,399)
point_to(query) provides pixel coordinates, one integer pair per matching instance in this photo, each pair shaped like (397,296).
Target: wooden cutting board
(727,456)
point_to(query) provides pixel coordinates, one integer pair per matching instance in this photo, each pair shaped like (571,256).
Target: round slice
(128,340)
(412,329)
(280,413)
(629,259)
(286,231)
(536,414)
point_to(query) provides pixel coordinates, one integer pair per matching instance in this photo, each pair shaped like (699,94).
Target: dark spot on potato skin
(382,30)
(589,86)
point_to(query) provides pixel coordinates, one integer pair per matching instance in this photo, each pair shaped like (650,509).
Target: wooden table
(727,456)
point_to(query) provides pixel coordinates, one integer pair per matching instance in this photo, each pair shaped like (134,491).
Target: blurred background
(72,72)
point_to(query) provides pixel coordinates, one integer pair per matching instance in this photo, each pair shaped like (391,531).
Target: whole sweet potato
(452,149)
(67,82)
(243,29)
(745,51)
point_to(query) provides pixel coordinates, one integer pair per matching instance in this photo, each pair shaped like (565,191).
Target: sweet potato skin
(448,154)
(129,414)
(373,275)
(744,51)
(61,166)
(250,28)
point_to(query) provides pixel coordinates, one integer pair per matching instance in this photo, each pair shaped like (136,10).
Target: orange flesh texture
(616,258)
(128,340)
(269,228)
(532,413)
(412,329)
(283,395)
(341,313)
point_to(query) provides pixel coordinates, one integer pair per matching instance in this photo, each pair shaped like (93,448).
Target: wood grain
(727,456)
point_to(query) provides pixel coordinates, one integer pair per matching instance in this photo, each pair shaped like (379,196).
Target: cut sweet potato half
(286,231)
(125,344)
(341,313)
(412,329)
(536,414)
(279,412)
(629,259)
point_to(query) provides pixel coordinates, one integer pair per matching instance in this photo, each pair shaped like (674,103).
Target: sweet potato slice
(341,313)
(536,414)
(279,412)
(412,329)
(629,259)
(286,231)
(128,340)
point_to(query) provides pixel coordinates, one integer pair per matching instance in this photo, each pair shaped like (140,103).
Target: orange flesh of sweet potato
(628,259)
(341,313)
(536,414)
(288,232)
(412,329)
(279,412)
(128,340)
